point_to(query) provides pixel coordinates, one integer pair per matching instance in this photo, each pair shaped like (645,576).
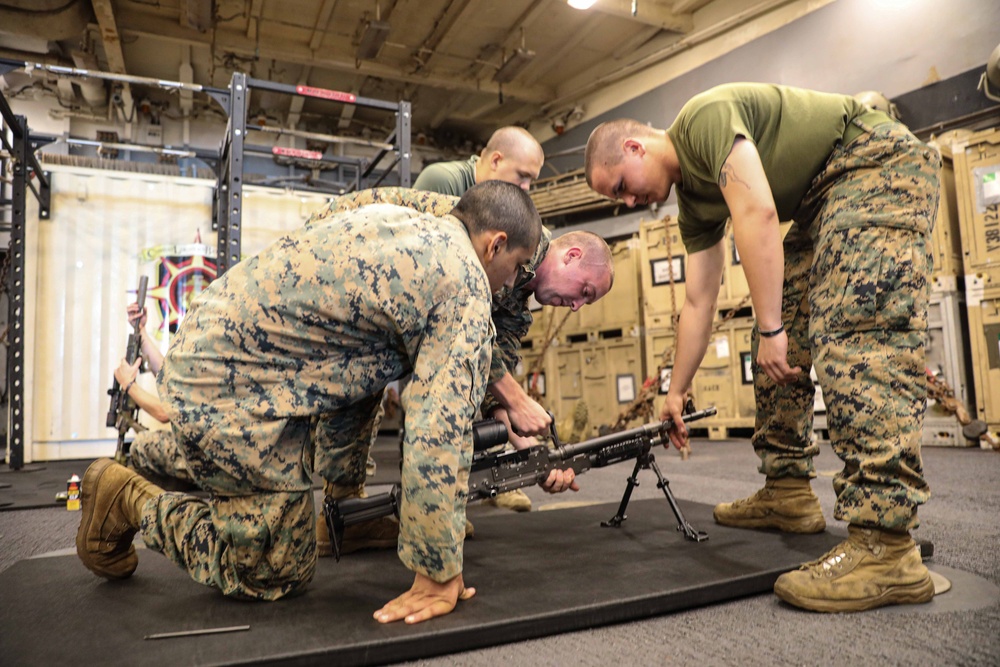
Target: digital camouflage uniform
(511,315)
(283,361)
(155,453)
(854,304)
(863,194)
(423,202)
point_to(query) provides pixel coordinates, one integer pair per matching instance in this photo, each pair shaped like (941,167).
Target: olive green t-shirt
(794,130)
(448,178)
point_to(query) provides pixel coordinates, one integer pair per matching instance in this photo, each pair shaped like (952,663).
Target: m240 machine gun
(494,473)
(123,413)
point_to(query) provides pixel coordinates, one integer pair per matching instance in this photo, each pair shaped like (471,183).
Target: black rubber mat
(537,574)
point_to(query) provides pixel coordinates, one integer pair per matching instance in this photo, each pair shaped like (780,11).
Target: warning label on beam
(334,95)
(297,152)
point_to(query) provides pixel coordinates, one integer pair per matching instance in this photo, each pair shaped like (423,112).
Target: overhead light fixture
(581,4)
(374,36)
(991,75)
(513,66)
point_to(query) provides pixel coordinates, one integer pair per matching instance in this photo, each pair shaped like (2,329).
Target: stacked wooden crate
(977,188)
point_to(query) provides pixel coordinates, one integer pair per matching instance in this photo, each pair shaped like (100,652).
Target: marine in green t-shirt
(578,271)
(448,178)
(793,130)
(511,155)
(845,291)
(748,151)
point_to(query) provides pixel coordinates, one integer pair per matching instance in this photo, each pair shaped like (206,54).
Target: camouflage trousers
(256,542)
(155,453)
(854,305)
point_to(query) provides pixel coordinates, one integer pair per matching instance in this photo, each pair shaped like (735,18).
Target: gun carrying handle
(552,429)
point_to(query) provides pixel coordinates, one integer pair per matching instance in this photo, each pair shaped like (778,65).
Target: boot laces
(833,561)
(761,494)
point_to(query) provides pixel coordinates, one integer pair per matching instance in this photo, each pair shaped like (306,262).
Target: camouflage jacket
(322,318)
(511,316)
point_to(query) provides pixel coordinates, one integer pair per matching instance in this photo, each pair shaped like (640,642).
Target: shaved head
(513,140)
(578,269)
(604,148)
(511,155)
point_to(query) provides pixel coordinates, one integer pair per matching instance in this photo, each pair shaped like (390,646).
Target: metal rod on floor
(191,633)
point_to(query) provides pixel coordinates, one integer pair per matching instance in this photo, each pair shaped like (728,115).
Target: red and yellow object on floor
(73,493)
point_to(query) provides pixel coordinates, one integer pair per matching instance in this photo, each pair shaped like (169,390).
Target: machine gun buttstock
(340,514)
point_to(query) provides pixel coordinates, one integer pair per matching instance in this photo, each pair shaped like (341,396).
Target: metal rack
(19,157)
(227,214)
(228,204)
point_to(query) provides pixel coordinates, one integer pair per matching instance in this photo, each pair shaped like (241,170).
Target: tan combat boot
(786,503)
(111,503)
(871,568)
(516,500)
(380,533)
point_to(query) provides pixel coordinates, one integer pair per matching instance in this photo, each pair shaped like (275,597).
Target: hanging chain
(940,391)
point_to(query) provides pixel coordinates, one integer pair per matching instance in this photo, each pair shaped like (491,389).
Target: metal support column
(229,193)
(228,201)
(404,120)
(23,164)
(15,293)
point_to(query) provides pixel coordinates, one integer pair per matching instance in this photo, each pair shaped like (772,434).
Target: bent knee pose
(282,359)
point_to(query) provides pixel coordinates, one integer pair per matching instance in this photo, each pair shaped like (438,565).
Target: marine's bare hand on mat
(425,600)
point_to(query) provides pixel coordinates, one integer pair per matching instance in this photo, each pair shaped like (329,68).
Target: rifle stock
(120,403)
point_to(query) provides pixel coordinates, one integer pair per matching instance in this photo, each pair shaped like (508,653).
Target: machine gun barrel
(493,474)
(656,433)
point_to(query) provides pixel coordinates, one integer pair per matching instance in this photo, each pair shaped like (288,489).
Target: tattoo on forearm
(728,173)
